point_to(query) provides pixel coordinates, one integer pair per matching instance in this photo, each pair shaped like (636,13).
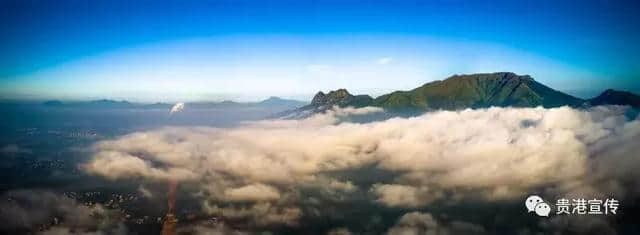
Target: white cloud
(261,213)
(384,60)
(28,209)
(424,223)
(176,108)
(395,195)
(254,192)
(487,154)
(318,68)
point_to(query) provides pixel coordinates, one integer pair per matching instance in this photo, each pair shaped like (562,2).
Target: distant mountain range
(271,102)
(104,103)
(502,89)
(611,96)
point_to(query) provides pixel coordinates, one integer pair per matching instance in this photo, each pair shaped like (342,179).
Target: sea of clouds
(284,172)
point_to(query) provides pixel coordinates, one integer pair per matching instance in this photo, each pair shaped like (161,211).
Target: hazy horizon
(583,94)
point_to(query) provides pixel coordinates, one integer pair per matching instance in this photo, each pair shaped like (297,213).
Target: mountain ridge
(114,104)
(615,97)
(477,91)
(481,90)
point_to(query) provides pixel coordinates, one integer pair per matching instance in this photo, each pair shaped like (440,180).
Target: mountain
(614,97)
(322,102)
(502,89)
(277,101)
(98,104)
(340,97)
(274,103)
(104,103)
(52,103)
(477,91)
(211,105)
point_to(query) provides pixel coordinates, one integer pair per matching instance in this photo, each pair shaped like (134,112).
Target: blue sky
(249,50)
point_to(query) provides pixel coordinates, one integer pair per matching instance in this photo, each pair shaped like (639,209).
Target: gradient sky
(248,50)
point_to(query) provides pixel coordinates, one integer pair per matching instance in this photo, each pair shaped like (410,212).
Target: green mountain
(614,97)
(503,89)
(477,91)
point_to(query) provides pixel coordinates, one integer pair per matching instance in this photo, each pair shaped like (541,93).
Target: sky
(169,51)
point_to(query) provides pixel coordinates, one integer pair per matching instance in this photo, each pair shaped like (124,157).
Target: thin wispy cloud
(317,68)
(384,60)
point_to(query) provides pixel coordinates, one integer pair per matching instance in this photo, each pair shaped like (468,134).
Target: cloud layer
(416,223)
(27,210)
(260,171)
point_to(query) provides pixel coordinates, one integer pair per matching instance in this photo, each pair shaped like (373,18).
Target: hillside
(613,97)
(502,89)
(477,91)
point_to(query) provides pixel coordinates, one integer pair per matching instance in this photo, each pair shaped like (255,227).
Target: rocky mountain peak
(319,98)
(332,98)
(481,90)
(338,95)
